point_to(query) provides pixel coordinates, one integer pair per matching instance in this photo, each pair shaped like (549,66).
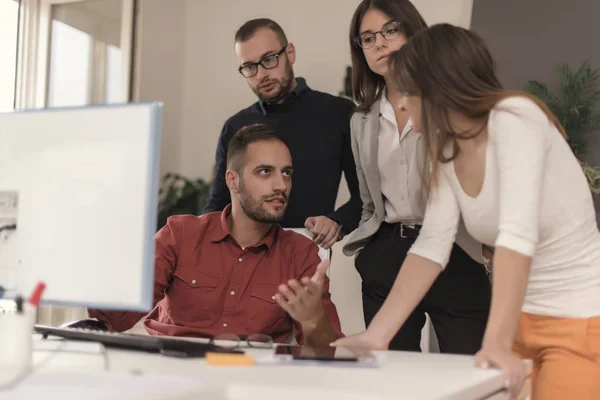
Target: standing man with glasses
(237,273)
(315,125)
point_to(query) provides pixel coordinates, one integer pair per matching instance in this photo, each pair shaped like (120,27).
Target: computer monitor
(81,186)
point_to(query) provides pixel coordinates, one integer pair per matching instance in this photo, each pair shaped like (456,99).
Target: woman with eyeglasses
(501,162)
(391,163)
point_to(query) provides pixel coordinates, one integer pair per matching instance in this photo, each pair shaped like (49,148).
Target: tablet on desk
(334,355)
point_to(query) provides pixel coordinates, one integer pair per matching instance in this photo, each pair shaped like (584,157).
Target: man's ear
(232,179)
(291,52)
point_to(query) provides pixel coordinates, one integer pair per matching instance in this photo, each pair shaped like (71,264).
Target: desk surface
(401,375)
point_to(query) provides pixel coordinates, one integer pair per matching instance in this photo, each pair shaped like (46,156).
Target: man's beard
(255,209)
(284,84)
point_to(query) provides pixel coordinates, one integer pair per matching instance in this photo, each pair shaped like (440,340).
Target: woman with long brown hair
(501,162)
(390,155)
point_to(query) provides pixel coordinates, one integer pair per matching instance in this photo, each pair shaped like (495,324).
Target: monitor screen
(78,200)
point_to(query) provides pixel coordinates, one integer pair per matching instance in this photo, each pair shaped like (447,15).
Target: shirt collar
(300,87)
(386,110)
(221,232)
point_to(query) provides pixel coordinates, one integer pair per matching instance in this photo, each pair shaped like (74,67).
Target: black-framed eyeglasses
(267,62)
(389,31)
(233,341)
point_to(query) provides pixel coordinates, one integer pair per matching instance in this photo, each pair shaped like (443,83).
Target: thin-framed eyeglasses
(389,31)
(233,341)
(270,61)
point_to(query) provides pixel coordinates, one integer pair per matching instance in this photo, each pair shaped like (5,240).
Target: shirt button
(240,259)
(402,197)
(193,281)
(272,297)
(401,162)
(232,293)
(225,325)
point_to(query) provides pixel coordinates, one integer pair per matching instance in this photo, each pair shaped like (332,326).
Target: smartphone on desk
(182,348)
(347,356)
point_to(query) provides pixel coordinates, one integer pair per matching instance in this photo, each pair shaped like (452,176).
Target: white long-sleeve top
(535,200)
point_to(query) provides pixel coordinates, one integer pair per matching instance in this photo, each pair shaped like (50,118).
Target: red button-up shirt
(205,284)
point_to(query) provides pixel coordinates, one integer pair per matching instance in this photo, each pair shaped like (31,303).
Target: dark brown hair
(451,69)
(366,84)
(236,150)
(248,30)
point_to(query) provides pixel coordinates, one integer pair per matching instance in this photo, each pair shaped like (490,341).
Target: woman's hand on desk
(513,368)
(365,340)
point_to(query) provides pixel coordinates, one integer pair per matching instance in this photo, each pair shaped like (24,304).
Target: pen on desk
(36,296)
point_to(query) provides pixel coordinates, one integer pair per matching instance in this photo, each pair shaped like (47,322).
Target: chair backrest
(323,253)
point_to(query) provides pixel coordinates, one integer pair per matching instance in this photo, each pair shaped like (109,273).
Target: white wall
(214,90)
(187,61)
(457,12)
(159,70)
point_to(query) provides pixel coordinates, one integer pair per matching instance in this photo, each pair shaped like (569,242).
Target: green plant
(592,173)
(575,102)
(180,195)
(575,107)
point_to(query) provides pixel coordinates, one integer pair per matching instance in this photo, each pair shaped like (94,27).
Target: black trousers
(458,303)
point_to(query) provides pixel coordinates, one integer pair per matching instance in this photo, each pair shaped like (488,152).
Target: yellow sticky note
(225,359)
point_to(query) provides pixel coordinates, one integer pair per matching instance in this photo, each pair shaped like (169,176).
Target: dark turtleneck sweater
(316,127)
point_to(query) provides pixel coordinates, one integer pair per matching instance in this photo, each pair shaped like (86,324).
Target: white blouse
(535,200)
(396,159)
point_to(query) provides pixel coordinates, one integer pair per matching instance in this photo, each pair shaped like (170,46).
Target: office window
(70,59)
(85,53)
(9,19)
(113,75)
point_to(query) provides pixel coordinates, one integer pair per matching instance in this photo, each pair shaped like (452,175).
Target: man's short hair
(236,151)
(248,30)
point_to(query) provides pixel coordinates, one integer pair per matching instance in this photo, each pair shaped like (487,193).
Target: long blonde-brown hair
(451,69)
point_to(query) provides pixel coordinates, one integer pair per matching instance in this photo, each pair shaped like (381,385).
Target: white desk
(401,376)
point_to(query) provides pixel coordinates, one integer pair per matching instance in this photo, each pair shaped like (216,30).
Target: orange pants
(565,354)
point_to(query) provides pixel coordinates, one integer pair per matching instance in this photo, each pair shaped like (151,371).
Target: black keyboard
(154,344)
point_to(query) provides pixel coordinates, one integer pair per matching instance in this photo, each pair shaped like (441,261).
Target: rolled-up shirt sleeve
(440,224)
(517,128)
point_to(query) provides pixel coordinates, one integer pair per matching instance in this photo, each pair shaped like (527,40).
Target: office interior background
(180,52)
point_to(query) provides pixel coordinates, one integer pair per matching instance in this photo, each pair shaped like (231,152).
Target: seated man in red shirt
(238,271)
